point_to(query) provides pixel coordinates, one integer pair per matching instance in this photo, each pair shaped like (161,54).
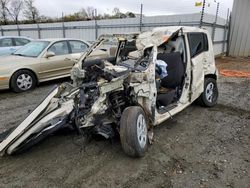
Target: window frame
(12,42)
(185,49)
(60,42)
(205,44)
(69,46)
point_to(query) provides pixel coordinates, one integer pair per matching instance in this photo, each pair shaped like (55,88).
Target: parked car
(39,61)
(126,95)
(9,44)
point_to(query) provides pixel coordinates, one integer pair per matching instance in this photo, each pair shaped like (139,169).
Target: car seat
(176,71)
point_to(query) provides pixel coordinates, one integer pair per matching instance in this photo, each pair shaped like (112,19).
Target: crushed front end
(102,88)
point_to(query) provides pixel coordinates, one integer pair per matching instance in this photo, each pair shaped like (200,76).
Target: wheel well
(27,70)
(214,76)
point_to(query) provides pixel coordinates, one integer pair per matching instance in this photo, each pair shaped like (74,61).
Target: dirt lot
(200,147)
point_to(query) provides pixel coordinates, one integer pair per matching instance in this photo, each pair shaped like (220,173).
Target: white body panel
(24,125)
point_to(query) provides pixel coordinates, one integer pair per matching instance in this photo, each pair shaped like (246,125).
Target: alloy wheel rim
(24,82)
(141,130)
(210,92)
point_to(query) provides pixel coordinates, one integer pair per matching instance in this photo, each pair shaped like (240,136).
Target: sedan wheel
(23,80)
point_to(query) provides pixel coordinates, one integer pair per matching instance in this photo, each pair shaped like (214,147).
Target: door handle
(67,59)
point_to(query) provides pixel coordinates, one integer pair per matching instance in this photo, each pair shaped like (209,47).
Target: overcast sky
(54,8)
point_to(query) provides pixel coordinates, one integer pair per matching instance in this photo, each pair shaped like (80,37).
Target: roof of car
(23,37)
(48,39)
(185,29)
(159,35)
(59,39)
(53,39)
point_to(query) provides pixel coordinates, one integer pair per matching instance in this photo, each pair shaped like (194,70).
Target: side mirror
(50,54)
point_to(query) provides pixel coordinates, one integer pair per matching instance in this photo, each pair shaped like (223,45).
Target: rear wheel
(210,94)
(23,80)
(134,131)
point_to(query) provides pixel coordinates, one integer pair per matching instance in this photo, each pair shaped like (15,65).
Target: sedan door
(59,64)
(77,48)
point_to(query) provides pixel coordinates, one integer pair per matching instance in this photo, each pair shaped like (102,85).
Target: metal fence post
(202,12)
(2,31)
(63,30)
(215,21)
(225,32)
(18,30)
(228,34)
(96,30)
(63,27)
(141,18)
(39,31)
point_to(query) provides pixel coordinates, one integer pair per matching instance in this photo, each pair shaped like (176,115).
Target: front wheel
(210,94)
(23,80)
(134,131)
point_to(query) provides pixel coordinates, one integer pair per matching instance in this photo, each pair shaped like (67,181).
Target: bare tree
(15,9)
(83,13)
(90,12)
(116,11)
(4,11)
(31,12)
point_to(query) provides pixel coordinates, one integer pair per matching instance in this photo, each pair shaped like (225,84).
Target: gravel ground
(199,147)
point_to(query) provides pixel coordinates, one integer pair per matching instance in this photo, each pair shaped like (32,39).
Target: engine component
(117,100)
(106,131)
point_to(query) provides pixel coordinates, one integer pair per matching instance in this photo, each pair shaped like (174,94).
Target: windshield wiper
(22,55)
(19,54)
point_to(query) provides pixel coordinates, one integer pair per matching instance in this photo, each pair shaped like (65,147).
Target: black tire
(131,122)
(30,82)
(210,94)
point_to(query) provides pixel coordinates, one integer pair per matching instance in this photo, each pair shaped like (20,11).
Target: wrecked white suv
(147,78)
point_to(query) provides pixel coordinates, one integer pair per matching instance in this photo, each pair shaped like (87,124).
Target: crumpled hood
(155,37)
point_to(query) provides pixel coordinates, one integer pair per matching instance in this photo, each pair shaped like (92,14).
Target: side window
(6,42)
(21,41)
(59,48)
(205,42)
(198,43)
(77,46)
